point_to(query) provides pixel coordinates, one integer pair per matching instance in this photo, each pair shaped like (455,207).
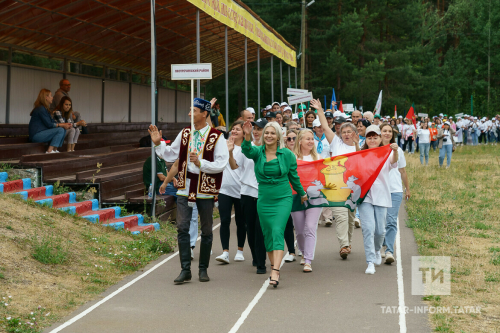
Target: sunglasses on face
(289,139)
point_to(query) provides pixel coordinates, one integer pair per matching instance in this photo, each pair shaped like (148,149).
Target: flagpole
(153,105)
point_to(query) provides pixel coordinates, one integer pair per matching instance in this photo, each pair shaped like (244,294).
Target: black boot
(185,257)
(205,249)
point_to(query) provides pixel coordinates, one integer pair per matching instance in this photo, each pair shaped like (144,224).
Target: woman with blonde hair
(275,169)
(42,127)
(306,221)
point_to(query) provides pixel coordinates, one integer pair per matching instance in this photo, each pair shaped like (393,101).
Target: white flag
(378,106)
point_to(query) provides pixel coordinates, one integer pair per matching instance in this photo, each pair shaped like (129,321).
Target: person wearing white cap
(459,133)
(287,111)
(482,131)
(320,141)
(373,210)
(474,129)
(345,140)
(283,106)
(446,144)
(252,111)
(276,106)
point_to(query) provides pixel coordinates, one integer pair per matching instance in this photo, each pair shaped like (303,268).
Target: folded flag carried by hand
(339,181)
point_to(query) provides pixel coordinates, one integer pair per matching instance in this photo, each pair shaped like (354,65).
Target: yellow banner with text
(237,18)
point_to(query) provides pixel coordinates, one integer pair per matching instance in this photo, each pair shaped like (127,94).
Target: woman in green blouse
(275,170)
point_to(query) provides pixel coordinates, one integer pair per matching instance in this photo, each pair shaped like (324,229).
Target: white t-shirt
(423,135)
(231,179)
(447,136)
(326,148)
(307,158)
(338,147)
(408,130)
(249,184)
(380,192)
(396,182)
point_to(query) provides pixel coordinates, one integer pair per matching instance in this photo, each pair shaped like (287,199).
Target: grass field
(52,262)
(456,212)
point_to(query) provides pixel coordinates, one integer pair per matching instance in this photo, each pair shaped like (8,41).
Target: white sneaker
(56,151)
(239,256)
(290,258)
(192,254)
(370,269)
(378,258)
(224,257)
(357,223)
(328,223)
(382,251)
(299,253)
(389,258)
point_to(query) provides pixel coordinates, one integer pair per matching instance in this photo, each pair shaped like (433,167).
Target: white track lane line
(401,288)
(119,290)
(255,300)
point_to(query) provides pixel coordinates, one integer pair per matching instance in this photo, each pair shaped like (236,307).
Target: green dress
(274,203)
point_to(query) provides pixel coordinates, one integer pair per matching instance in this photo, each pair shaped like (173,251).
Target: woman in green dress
(275,170)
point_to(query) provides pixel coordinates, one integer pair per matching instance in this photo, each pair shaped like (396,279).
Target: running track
(336,297)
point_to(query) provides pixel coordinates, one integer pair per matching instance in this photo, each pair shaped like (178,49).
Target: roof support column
(289,86)
(9,75)
(281,81)
(272,79)
(227,77)
(198,85)
(258,81)
(246,72)
(153,105)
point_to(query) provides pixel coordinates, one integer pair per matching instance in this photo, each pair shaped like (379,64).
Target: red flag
(411,115)
(341,108)
(340,181)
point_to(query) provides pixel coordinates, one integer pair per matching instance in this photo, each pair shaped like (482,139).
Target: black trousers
(254,231)
(226,204)
(184,213)
(483,138)
(289,238)
(410,142)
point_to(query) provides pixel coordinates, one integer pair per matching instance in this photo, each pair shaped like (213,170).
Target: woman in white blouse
(407,133)
(229,197)
(424,141)
(373,210)
(306,221)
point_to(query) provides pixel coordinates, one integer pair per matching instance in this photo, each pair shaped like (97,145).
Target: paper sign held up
(300,98)
(423,115)
(191,72)
(294,91)
(459,115)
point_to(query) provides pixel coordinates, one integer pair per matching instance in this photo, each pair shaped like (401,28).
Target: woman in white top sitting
(424,141)
(373,210)
(229,197)
(347,142)
(306,221)
(396,175)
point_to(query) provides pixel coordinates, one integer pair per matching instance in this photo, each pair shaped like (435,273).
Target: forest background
(439,55)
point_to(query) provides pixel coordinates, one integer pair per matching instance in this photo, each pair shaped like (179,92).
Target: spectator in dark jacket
(42,127)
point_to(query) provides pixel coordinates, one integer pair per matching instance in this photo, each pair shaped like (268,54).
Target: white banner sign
(348,107)
(300,98)
(191,72)
(459,115)
(423,115)
(293,91)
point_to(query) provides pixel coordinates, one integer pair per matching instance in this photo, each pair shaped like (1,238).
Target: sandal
(271,272)
(344,252)
(307,268)
(275,285)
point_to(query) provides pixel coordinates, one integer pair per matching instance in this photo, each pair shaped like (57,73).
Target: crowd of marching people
(251,169)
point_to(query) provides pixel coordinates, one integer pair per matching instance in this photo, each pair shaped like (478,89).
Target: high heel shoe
(275,285)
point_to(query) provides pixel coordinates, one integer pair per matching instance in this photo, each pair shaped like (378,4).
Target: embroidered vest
(203,183)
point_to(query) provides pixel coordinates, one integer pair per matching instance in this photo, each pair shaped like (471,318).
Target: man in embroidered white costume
(202,158)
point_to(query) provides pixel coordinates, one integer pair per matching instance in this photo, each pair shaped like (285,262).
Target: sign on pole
(191,72)
(293,91)
(300,98)
(423,115)
(459,115)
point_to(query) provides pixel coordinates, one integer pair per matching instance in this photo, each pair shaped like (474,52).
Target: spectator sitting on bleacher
(42,127)
(64,88)
(64,114)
